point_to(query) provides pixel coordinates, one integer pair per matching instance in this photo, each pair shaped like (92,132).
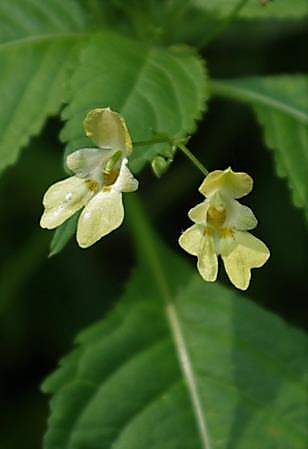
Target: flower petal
(108,129)
(207,259)
(63,199)
(103,214)
(234,184)
(191,239)
(239,217)
(125,181)
(84,161)
(247,253)
(198,213)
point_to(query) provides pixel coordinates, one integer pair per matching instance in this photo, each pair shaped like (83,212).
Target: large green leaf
(281,106)
(37,47)
(179,362)
(157,90)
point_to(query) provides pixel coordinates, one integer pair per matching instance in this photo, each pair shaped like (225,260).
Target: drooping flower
(100,176)
(221,225)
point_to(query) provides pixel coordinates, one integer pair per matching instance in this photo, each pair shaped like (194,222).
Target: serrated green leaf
(157,90)
(176,361)
(281,106)
(254,9)
(37,48)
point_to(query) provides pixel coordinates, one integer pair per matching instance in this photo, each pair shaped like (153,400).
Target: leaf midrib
(38,38)
(227,89)
(143,233)
(253,401)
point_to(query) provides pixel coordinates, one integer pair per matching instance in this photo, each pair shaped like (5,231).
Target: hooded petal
(247,252)
(198,213)
(108,129)
(125,181)
(207,259)
(84,161)
(233,184)
(63,199)
(103,214)
(191,239)
(239,217)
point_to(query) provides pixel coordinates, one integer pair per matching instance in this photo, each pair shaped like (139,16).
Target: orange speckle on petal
(208,231)
(225,232)
(92,185)
(215,216)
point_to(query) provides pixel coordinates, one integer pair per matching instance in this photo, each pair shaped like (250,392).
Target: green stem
(193,158)
(146,243)
(224,24)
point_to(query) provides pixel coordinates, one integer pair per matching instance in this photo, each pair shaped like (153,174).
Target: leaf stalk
(181,145)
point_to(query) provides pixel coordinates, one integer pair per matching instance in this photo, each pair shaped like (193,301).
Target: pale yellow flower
(221,225)
(101,175)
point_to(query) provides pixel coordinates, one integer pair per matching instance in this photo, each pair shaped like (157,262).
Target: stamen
(113,162)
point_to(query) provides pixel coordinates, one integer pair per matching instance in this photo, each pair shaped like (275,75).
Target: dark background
(45,302)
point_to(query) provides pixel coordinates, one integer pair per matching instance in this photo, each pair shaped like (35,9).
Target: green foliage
(281,106)
(27,18)
(157,90)
(20,266)
(37,47)
(177,356)
(170,22)
(177,363)
(62,235)
(253,9)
